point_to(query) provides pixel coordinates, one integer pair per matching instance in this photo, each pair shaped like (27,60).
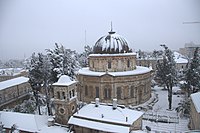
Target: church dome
(111,44)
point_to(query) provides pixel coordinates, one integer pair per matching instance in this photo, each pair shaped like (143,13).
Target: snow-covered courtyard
(160,119)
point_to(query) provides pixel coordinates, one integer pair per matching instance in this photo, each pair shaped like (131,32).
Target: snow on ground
(160,109)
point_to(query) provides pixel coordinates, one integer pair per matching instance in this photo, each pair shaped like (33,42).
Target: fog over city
(28,26)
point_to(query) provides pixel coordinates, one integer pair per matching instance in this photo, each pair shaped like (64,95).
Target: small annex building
(65,96)
(102,117)
(195,111)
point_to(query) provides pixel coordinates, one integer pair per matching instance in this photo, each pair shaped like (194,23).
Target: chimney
(114,103)
(96,102)
(50,121)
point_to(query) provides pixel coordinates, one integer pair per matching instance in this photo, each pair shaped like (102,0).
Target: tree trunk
(47,98)
(37,101)
(38,105)
(170,96)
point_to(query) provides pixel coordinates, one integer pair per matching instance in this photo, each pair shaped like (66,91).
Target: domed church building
(112,73)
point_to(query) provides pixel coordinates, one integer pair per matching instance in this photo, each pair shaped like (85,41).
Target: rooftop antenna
(111,30)
(111,26)
(85,38)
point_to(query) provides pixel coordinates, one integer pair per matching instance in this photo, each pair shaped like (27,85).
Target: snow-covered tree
(157,54)
(65,61)
(83,57)
(166,72)
(40,75)
(192,75)
(184,106)
(34,78)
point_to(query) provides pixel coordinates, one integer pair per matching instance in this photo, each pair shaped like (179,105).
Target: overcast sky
(28,26)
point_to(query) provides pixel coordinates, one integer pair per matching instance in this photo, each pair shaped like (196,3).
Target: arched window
(109,64)
(128,63)
(73,93)
(70,94)
(132,91)
(97,92)
(119,92)
(58,94)
(63,95)
(86,90)
(107,93)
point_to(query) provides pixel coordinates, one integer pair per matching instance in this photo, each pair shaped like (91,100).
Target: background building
(189,49)
(13,91)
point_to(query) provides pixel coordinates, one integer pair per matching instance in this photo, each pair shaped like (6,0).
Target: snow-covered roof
(179,58)
(103,55)
(64,80)
(138,70)
(196,100)
(10,71)
(13,82)
(25,122)
(113,120)
(29,122)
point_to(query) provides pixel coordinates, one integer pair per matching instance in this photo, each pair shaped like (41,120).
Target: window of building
(109,64)
(107,93)
(119,92)
(90,92)
(128,63)
(86,90)
(132,91)
(73,93)
(97,92)
(63,95)
(58,94)
(70,94)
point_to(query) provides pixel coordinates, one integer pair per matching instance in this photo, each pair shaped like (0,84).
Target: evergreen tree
(192,75)
(166,72)
(83,57)
(34,78)
(40,74)
(65,61)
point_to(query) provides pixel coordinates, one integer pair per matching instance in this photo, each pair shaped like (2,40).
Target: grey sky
(28,26)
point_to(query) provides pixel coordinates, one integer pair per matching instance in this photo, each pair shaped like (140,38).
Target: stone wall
(64,102)
(134,89)
(194,118)
(112,63)
(10,95)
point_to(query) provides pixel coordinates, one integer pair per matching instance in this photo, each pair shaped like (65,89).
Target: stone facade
(134,89)
(112,63)
(15,93)
(195,111)
(194,118)
(148,62)
(64,101)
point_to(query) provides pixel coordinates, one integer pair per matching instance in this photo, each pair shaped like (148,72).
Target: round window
(61,110)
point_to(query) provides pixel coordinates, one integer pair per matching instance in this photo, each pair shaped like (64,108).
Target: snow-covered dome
(111,44)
